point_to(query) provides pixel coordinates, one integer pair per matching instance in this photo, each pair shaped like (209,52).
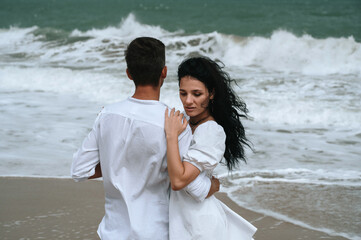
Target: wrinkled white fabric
(207,146)
(128,140)
(210,219)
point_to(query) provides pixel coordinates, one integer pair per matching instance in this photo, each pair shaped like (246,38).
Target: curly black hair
(226,108)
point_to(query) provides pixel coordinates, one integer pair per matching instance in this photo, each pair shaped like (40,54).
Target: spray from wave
(302,77)
(103,48)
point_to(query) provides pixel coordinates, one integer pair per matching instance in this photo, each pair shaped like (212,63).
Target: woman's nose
(189,99)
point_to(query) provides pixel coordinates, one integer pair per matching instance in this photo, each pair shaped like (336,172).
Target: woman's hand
(175,123)
(180,173)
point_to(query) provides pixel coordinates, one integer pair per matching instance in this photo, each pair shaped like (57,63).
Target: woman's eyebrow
(193,90)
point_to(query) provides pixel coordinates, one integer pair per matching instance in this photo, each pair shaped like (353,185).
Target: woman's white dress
(209,219)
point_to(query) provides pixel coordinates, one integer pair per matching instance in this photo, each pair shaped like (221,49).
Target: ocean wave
(106,87)
(89,85)
(128,29)
(346,178)
(270,70)
(285,52)
(103,48)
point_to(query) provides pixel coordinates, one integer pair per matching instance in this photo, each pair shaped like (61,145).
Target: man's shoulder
(116,105)
(131,103)
(151,112)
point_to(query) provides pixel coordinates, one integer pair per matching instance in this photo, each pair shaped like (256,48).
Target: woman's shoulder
(209,129)
(207,146)
(209,125)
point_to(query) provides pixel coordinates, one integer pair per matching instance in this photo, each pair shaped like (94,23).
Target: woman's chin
(190,113)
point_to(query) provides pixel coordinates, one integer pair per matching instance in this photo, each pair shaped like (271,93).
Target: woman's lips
(189,109)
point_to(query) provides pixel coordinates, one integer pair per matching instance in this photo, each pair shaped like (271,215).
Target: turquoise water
(319,18)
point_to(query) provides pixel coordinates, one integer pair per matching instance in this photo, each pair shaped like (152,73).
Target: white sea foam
(306,80)
(109,87)
(14,36)
(285,52)
(281,52)
(127,30)
(297,175)
(93,86)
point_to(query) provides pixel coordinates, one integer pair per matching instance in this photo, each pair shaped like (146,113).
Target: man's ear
(128,74)
(163,75)
(164,72)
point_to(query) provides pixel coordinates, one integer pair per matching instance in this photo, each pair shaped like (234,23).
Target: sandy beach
(42,208)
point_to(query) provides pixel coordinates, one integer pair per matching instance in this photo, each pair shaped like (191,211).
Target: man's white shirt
(128,140)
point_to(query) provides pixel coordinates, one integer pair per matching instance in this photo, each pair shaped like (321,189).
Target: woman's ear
(211,95)
(128,74)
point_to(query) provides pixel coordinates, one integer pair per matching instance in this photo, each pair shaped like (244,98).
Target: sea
(296,64)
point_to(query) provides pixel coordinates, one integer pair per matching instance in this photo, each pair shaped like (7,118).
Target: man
(127,146)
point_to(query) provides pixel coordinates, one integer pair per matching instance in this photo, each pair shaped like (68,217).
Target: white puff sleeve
(207,146)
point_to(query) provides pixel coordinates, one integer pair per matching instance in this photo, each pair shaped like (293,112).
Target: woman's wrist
(172,137)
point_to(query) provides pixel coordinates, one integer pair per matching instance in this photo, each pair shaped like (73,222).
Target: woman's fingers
(175,122)
(185,122)
(166,114)
(173,113)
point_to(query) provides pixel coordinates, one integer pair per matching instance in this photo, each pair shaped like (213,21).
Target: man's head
(145,59)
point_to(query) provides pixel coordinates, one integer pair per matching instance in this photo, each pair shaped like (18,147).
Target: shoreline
(59,208)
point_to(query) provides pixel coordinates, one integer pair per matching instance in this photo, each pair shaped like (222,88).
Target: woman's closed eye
(194,94)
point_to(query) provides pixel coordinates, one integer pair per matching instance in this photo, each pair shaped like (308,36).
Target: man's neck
(147,92)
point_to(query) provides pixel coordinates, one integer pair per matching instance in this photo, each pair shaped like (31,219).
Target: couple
(140,149)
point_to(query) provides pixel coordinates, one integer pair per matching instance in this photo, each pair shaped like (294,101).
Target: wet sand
(45,208)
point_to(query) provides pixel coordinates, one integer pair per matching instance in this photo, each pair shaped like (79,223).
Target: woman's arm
(180,173)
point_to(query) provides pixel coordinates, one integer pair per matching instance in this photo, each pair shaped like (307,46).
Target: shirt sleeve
(86,157)
(200,186)
(207,146)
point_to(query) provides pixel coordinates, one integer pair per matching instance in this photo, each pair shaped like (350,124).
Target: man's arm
(86,159)
(214,187)
(202,187)
(98,172)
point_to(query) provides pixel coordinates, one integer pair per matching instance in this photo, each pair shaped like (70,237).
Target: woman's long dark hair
(226,108)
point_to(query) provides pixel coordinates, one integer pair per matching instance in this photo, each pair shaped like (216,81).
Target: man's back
(132,152)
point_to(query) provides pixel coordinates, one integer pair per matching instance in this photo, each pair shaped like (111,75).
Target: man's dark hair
(145,59)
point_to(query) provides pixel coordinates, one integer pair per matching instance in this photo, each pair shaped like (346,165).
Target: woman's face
(194,96)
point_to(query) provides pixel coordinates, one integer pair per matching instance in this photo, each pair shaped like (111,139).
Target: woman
(214,116)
